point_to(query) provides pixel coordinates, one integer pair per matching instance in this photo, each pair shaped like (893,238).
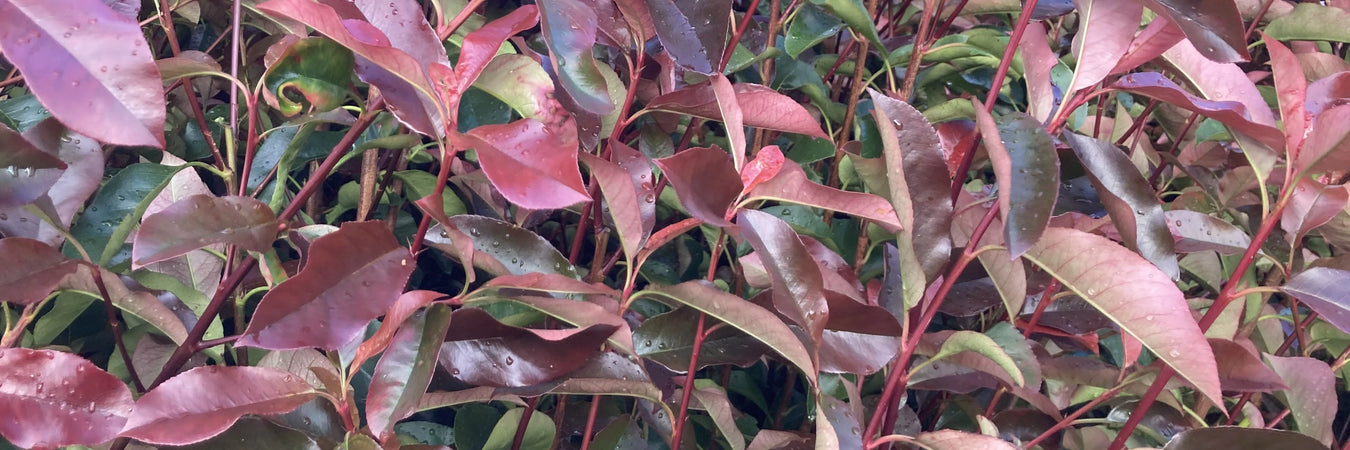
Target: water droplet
(496,243)
(515,261)
(121,198)
(454,372)
(365,283)
(68,34)
(474,231)
(4,216)
(647,343)
(445,234)
(39,388)
(1149,317)
(1139,211)
(510,360)
(1174,353)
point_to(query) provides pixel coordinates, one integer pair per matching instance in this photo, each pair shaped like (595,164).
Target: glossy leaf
(481,45)
(54,399)
(569,31)
(625,206)
(1325,290)
(1027,170)
(405,370)
(1311,386)
(1104,34)
(409,303)
(1214,438)
(1311,205)
(970,341)
(1311,22)
(575,313)
(432,400)
(402,22)
(110,92)
(694,32)
(190,407)
(761,107)
(669,340)
(1241,371)
(17,152)
(1130,200)
(1196,232)
(84,170)
(532,165)
(961,440)
(352,276)
(798,287)
(750,318)
(521,83)
(539,432)
(107,221)
(1232,113)
(729,110)
(1214,27)
(501,248)
(141,304)
(482,351)
(791,185)
(809,27)
(853,13)
(1228,82)
(202,220)
(851,352)
(918,182)
(316,68)
(1007,273)
(1328,142)
(706,180)
(30,270)
(1291,87)
(1135,295)
(1039,61)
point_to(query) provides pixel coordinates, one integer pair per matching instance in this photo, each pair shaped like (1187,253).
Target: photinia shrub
(684,224)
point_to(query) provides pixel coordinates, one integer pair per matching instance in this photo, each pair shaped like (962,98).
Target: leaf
(1039,61)
(191,406)
(1007,273)
(745,316)
(791,185)
(1311,205)
(532,165)
(480,350)
(1327,147)
(809,27)
(420,184)
(1227,81)
(798,287)
(917,180)
(351,277)
(1130,200)
(1311,22)
(55,399)
(669,340)
(30,270)
(1240,437)
(1232,113)
(1311,388)
(761,107)
(1291,87)
(481,394)
(67,194)
(621,195)
(17,152)
(405,370)
(255,432)
(694,32)
(608,373)
(110,92)
(200,221)
(575,313)
(1104,33)
(1135,295)
(402,22)
(970,341)
(1027,170)
(1241,371)
(105,224)
(961,440)
(521,83)
(844,351)
(539,433)
(1214,27)
(143,305)
(501,248)
(853,13)
(706,181)
(1325,290)
(481,45)
(318,69)
(713,398)
(1197,232)
(569,31)
(729,109)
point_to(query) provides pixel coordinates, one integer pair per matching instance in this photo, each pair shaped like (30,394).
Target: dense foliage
(689,224)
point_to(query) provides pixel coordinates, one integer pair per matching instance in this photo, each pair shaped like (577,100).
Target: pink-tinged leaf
(1312,388)
(768,161)
(195,405)
(51,399)
(1291,86)
(1311,205)
(1160,35)
(1130,200)
(1134,294)
(791,185)
(1026,166)
(482,44)
(481,394)
(67,195)
(1241,437)
(90,67)
(713,398)
(1228,82)
(1327,147)
(501,248)
(694,32)
(1242,371)
(352,276)
(706,181)
(141,304)
(402,22)
(961,440)
(405,370)
(761,107)
(860,353)
(580,315)
(621,195)
(482,351)
(403,308)
(798,288)
(569,28)
(729,109)
(1215,28)
(1325,290)
(748,317)
(917,181)
(548,283)
(1038,60)
(1327,92)
(1232,113)
(1105,29)
(1197,232)
(17,152)
(532,165)
(30,270)
(1008,274)
(202,220)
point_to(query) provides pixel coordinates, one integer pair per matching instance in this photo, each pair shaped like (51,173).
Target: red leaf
(1312,385)
(798,288)
(1241,371)
(1138,297)
(1160,35)
(406,28)
(1196,232)
(1311,206)
(30,270)
(621,195)
(761,106)
(1325,290)
(405,370)
(1291,87)
(729,109)
(403,308)
(482,44)
(706,181)
(1214,27)
(201,220)
(352,276)
(17,152)
(694,32)
(764,167)
(1104,33)
(482,351)
(1227,112)
(84,172)
(205,401)
(914,162)
(110,91)
(1026,167)
(532,165)
(791,185)
(52,399)
(1328,145)
(1039,61)
(569,31)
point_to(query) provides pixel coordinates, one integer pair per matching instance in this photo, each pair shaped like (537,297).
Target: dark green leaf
(317,69)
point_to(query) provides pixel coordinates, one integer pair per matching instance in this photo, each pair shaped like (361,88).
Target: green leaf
(474,424)
(853,13)
(317,69)
(104,225)
(419,184)
(970,341)
(1311,22)
(810,27)
(538,434)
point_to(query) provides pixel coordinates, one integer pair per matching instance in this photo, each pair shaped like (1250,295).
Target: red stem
(688,384)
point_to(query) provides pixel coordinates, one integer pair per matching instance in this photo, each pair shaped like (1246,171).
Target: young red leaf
(1311,205)
(693,32)
(1197,232)
(30,270)
(729,109)
(917,181)
(1241,371)
(352,276)
(202,220)
(571,312)
(1311,386)
(792,185)
(1105,30)
(1026,166)
(1160,35)
(501,248)
(1325,290)
(1228,82)
(1135,295)
(1214,27)
(481,45)
(1008,274)
(706,181)
(761,107)
(569,31)
(205,401)
(402,22)
(52,399)
(17,152)
(110,91)
(1327,147)
(1291,87)
(798,288)
(403,308)
(404,372)
(532,165)
(1232,113)
(768,161)
(67,195)
(482,351)
(1039,61)
(621,195)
